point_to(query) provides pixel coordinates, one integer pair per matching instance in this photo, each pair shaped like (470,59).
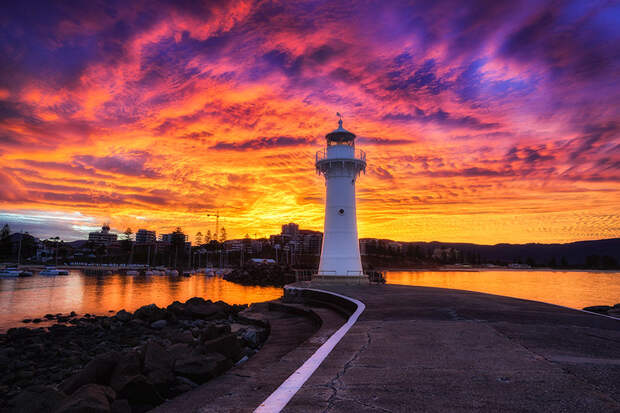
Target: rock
(36,320)
(128,366)
(138,390)
(156,357)
(598,309)
(150,313)
(179,350)
(176,308)
(187,381)
(182,336)
(120,406)
(199,308)
(90,398)
(228,345)
(72,314)
(182,385)
(27,320)
(36,399)
(159,324)
(201,368)
(49,316)
(97,371)
(158,366)
(123,316)
(25,374)
(254,337)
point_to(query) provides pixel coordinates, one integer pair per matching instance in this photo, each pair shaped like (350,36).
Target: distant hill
(598,253)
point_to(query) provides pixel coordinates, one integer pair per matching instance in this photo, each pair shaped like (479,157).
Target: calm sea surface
(36,296)
(39,295)
(576,289)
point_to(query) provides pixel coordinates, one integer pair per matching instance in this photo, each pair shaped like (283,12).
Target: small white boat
(14,272)
(133,272)
(51,271)
(173,273)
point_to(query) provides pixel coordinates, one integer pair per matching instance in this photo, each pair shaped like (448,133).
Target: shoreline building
(340,163)
(103,237)
(144,236)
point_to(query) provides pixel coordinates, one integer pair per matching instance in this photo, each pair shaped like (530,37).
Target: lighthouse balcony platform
(325,158)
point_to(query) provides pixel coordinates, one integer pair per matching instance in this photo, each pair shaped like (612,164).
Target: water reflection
(576,289)
(36,296)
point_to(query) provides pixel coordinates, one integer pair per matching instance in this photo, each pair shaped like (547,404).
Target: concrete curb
(285,392)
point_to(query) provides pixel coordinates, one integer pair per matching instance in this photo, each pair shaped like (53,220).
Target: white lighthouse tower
(341,164)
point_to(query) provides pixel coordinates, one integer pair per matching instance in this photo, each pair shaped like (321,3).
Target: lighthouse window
(341,211)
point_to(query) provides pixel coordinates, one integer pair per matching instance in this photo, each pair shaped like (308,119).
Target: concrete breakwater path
(431,350)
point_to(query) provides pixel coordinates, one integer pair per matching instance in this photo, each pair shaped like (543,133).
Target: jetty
(422,349)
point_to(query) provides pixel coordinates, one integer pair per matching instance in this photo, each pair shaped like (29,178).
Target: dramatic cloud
(482,121)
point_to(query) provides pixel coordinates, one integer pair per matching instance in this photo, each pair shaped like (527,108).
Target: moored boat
(14,272)
(51,271)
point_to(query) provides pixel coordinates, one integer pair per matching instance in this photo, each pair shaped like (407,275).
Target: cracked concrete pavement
(437,350)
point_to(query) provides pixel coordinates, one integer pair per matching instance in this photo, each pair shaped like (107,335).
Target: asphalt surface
(438,350)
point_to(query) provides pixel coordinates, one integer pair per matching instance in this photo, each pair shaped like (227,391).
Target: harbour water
(575,289)
(36,296)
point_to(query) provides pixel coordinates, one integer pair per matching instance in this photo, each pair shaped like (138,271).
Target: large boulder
(128,365)
(120,406)
(150,313)
(181,336)
(139,391)
(159,324)
(90,398)
(199,308)
(123,316)
(201,368)
(97,371)
(36,399)
(179,350)
(227,345)
(213,331)
(158,365)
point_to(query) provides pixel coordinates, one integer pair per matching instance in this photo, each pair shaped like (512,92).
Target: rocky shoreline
(125,362)
(610,310)
(263,274)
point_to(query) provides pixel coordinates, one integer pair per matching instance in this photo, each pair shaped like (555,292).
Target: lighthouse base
(341,279)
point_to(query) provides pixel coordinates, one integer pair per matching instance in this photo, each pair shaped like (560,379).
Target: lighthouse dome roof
(340,134)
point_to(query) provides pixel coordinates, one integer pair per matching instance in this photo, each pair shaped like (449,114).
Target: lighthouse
(341,164)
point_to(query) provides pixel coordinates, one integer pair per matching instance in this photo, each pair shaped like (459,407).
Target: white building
(104,237)
(341,164)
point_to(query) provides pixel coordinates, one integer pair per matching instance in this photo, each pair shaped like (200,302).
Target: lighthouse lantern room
(341,164)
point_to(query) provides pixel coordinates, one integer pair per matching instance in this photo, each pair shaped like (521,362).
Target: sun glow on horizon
(496,125)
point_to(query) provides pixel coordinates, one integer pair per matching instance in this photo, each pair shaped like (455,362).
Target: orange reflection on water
(36,296)
(576,289)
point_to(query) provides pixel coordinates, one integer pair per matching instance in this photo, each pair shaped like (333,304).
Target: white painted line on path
(283,394)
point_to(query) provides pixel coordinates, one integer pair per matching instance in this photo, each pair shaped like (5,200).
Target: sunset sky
(483,121)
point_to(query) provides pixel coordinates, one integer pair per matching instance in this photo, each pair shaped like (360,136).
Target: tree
(208,237)
(127,234)
(6,231)
(223,235)
(199,238)
(5,241)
